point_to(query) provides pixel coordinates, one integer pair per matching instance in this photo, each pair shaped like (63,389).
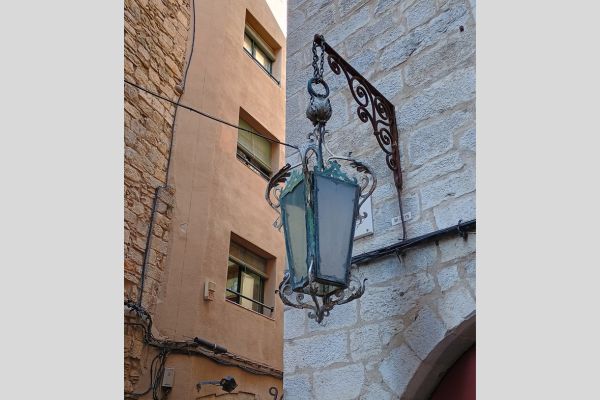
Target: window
(246,276)
(254,150)
(259,50)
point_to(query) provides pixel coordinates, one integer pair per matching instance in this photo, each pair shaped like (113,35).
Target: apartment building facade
(211,268)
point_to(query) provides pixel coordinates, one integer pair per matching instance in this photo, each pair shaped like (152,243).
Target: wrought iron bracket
(372,107)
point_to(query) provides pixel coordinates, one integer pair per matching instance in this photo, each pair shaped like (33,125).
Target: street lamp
(319,209)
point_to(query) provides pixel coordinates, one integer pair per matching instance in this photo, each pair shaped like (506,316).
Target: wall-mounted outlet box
(407,217)
(168,377)
(209,290)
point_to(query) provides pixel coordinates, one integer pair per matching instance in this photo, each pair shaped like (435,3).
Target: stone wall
(417,307)
(156,33)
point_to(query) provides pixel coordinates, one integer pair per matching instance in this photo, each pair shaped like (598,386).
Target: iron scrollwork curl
(374,108)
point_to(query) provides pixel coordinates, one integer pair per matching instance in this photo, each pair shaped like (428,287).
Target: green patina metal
(334,171)
(292,182)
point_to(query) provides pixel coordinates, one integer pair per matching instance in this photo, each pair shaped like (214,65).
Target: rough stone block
(467,140)
(456,247)
(389,36)
(341,316)
(452,186)
(339,115)
(339,384)
(425,332)
(419,228)
(390,85)
(436,138)
(351,23)
(419,13)
(368,34)
(450,212)
(381,270)
(365,342)
(294,323)
(455,306)
(296,386)
(398,367)
(397,299)
(444,57)
(315,352)
(447,277)
(303,37)
(374,391)
(363,61)
(426,35)
(419,258)
(441,96)
(389,329)
(348,5)
(434,169)
(470,273)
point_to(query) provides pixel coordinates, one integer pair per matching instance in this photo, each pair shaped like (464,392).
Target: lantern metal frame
(373,108)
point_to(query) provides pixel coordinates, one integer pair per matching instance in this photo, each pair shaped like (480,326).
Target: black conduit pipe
(461,228)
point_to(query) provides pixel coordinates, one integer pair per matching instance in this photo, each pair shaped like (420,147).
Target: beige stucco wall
(217,195)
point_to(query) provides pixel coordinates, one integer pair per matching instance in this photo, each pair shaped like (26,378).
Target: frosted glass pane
(294,210)
(336,202)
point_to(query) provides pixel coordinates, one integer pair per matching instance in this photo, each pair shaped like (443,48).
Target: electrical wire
(193,348)
(178,104)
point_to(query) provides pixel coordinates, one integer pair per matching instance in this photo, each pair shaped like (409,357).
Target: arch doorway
(459,381)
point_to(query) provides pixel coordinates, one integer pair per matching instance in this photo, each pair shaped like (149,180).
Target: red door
(459,381)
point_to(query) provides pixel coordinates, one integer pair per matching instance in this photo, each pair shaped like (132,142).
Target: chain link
(318,68)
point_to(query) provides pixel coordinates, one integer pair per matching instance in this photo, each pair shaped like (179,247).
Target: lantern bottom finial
(320,309)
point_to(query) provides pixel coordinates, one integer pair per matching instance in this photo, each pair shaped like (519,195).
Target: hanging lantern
(319,208)
(319,211)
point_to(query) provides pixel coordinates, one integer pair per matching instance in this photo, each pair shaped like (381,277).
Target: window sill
(252,311)
(253,169)
(261,67)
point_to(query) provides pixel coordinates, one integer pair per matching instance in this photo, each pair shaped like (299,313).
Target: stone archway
(431,371)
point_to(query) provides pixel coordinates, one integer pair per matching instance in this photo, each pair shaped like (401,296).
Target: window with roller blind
(254,151)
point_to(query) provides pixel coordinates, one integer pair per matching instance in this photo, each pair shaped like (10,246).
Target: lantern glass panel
(336,204)
(293,206)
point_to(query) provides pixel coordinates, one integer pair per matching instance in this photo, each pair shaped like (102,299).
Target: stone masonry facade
(421,55)
(156,35)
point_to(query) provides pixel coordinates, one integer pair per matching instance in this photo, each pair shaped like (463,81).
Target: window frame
(250,159)
(236,296)
(257,42)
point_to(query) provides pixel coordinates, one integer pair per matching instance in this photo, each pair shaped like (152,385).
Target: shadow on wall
(431,371)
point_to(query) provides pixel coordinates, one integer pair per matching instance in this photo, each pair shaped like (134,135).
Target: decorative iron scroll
(372,107)
(320,310)
(273,391)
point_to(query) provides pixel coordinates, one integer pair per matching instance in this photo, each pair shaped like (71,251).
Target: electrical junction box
(168,377)
(209,290)
(365,228)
